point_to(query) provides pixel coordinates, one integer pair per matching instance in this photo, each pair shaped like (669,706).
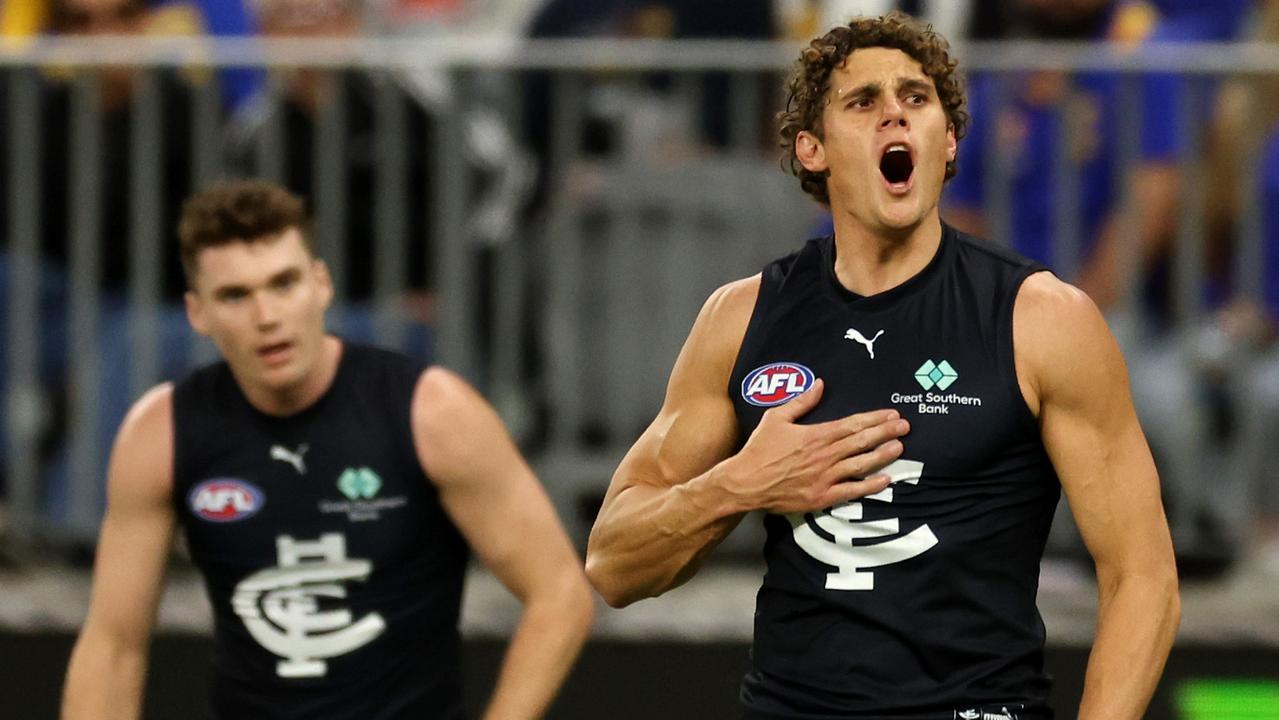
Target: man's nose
(893,115)
(265,313)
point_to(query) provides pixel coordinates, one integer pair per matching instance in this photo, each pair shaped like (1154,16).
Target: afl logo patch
(776,383)
(225,500)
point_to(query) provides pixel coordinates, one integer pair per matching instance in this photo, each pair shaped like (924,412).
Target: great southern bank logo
(225,500)
(356,483)
(775,383)
(940,375)
(935,376)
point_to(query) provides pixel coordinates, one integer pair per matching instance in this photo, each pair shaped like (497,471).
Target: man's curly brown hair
(810,81)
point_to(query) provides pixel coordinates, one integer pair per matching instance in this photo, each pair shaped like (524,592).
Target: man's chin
(280,378)
(901,218)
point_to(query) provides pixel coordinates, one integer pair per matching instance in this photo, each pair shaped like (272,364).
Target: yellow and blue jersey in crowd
(1028,127)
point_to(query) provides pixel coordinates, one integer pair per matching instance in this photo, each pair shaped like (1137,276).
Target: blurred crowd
(1206,382)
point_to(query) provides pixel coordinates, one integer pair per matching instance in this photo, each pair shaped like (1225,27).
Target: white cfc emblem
(280,605)
(844,524)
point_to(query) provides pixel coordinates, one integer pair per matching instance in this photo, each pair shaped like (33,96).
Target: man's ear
(952,144)
(195,312)
(810,152)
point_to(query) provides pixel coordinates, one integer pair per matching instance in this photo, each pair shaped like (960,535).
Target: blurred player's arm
(680,490)
(108,665)
(496,501)
(1073,377)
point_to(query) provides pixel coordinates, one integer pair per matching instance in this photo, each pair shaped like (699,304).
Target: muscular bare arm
(1074,379)
(680,491)
(108,666)
(495,500)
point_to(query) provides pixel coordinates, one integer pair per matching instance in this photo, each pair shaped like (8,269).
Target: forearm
(650,539)
(1137,619)
(542,651)
(104,680)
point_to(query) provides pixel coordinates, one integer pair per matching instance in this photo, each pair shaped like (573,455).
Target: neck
(282,402)
(869,260)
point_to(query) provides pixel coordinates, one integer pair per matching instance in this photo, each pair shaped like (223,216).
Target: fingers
(871,437)
(797,408)
(852,424)
(842,492)
(863,464)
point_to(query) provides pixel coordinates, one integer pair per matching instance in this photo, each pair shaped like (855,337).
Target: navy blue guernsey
(334,574)
(917,602)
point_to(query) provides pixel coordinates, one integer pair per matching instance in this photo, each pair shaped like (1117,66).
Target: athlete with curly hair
(905,403)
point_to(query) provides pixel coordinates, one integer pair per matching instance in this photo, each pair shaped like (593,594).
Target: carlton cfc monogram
(845,527)
(280,606)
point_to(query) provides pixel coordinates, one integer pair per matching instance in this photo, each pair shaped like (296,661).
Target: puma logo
(279,452)
(853,334)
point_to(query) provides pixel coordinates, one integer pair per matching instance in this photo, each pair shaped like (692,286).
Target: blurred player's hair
(809,82)
(237,211)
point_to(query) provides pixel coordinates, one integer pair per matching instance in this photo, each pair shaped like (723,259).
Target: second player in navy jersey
(329,494)
(905,403)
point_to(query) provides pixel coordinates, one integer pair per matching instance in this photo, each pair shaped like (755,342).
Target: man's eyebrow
(289,273)
(869,89)
(223,291)
(915,84)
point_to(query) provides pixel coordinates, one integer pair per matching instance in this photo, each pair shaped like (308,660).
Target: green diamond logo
(356,483)
(940,375)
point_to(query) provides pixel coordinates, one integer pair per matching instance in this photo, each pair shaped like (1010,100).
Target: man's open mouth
(896,164)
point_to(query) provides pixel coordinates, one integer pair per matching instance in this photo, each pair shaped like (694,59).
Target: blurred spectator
(113,162)
(654,20)
(1051,114)
(1246,331)
(950,17)
(1155,183)
(23,18)
(308,97)
(115,118)
(228,18)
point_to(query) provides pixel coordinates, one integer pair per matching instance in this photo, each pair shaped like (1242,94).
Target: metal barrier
(558,271)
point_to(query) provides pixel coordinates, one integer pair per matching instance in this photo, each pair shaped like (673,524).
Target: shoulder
(440,392)
(721,325)
(143,451)
(153,412)
(454,428)
(1061,342)
(1060,306)
(735,299)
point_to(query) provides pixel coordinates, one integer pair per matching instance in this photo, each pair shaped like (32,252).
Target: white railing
(542,306)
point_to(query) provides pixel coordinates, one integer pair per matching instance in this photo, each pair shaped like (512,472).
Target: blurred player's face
(885,141)
(262,303)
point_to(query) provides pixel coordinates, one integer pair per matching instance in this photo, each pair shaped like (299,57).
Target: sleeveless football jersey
(334,573)
(917,602)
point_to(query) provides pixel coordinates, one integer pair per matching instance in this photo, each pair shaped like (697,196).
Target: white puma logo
(852,334)
(279,452)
